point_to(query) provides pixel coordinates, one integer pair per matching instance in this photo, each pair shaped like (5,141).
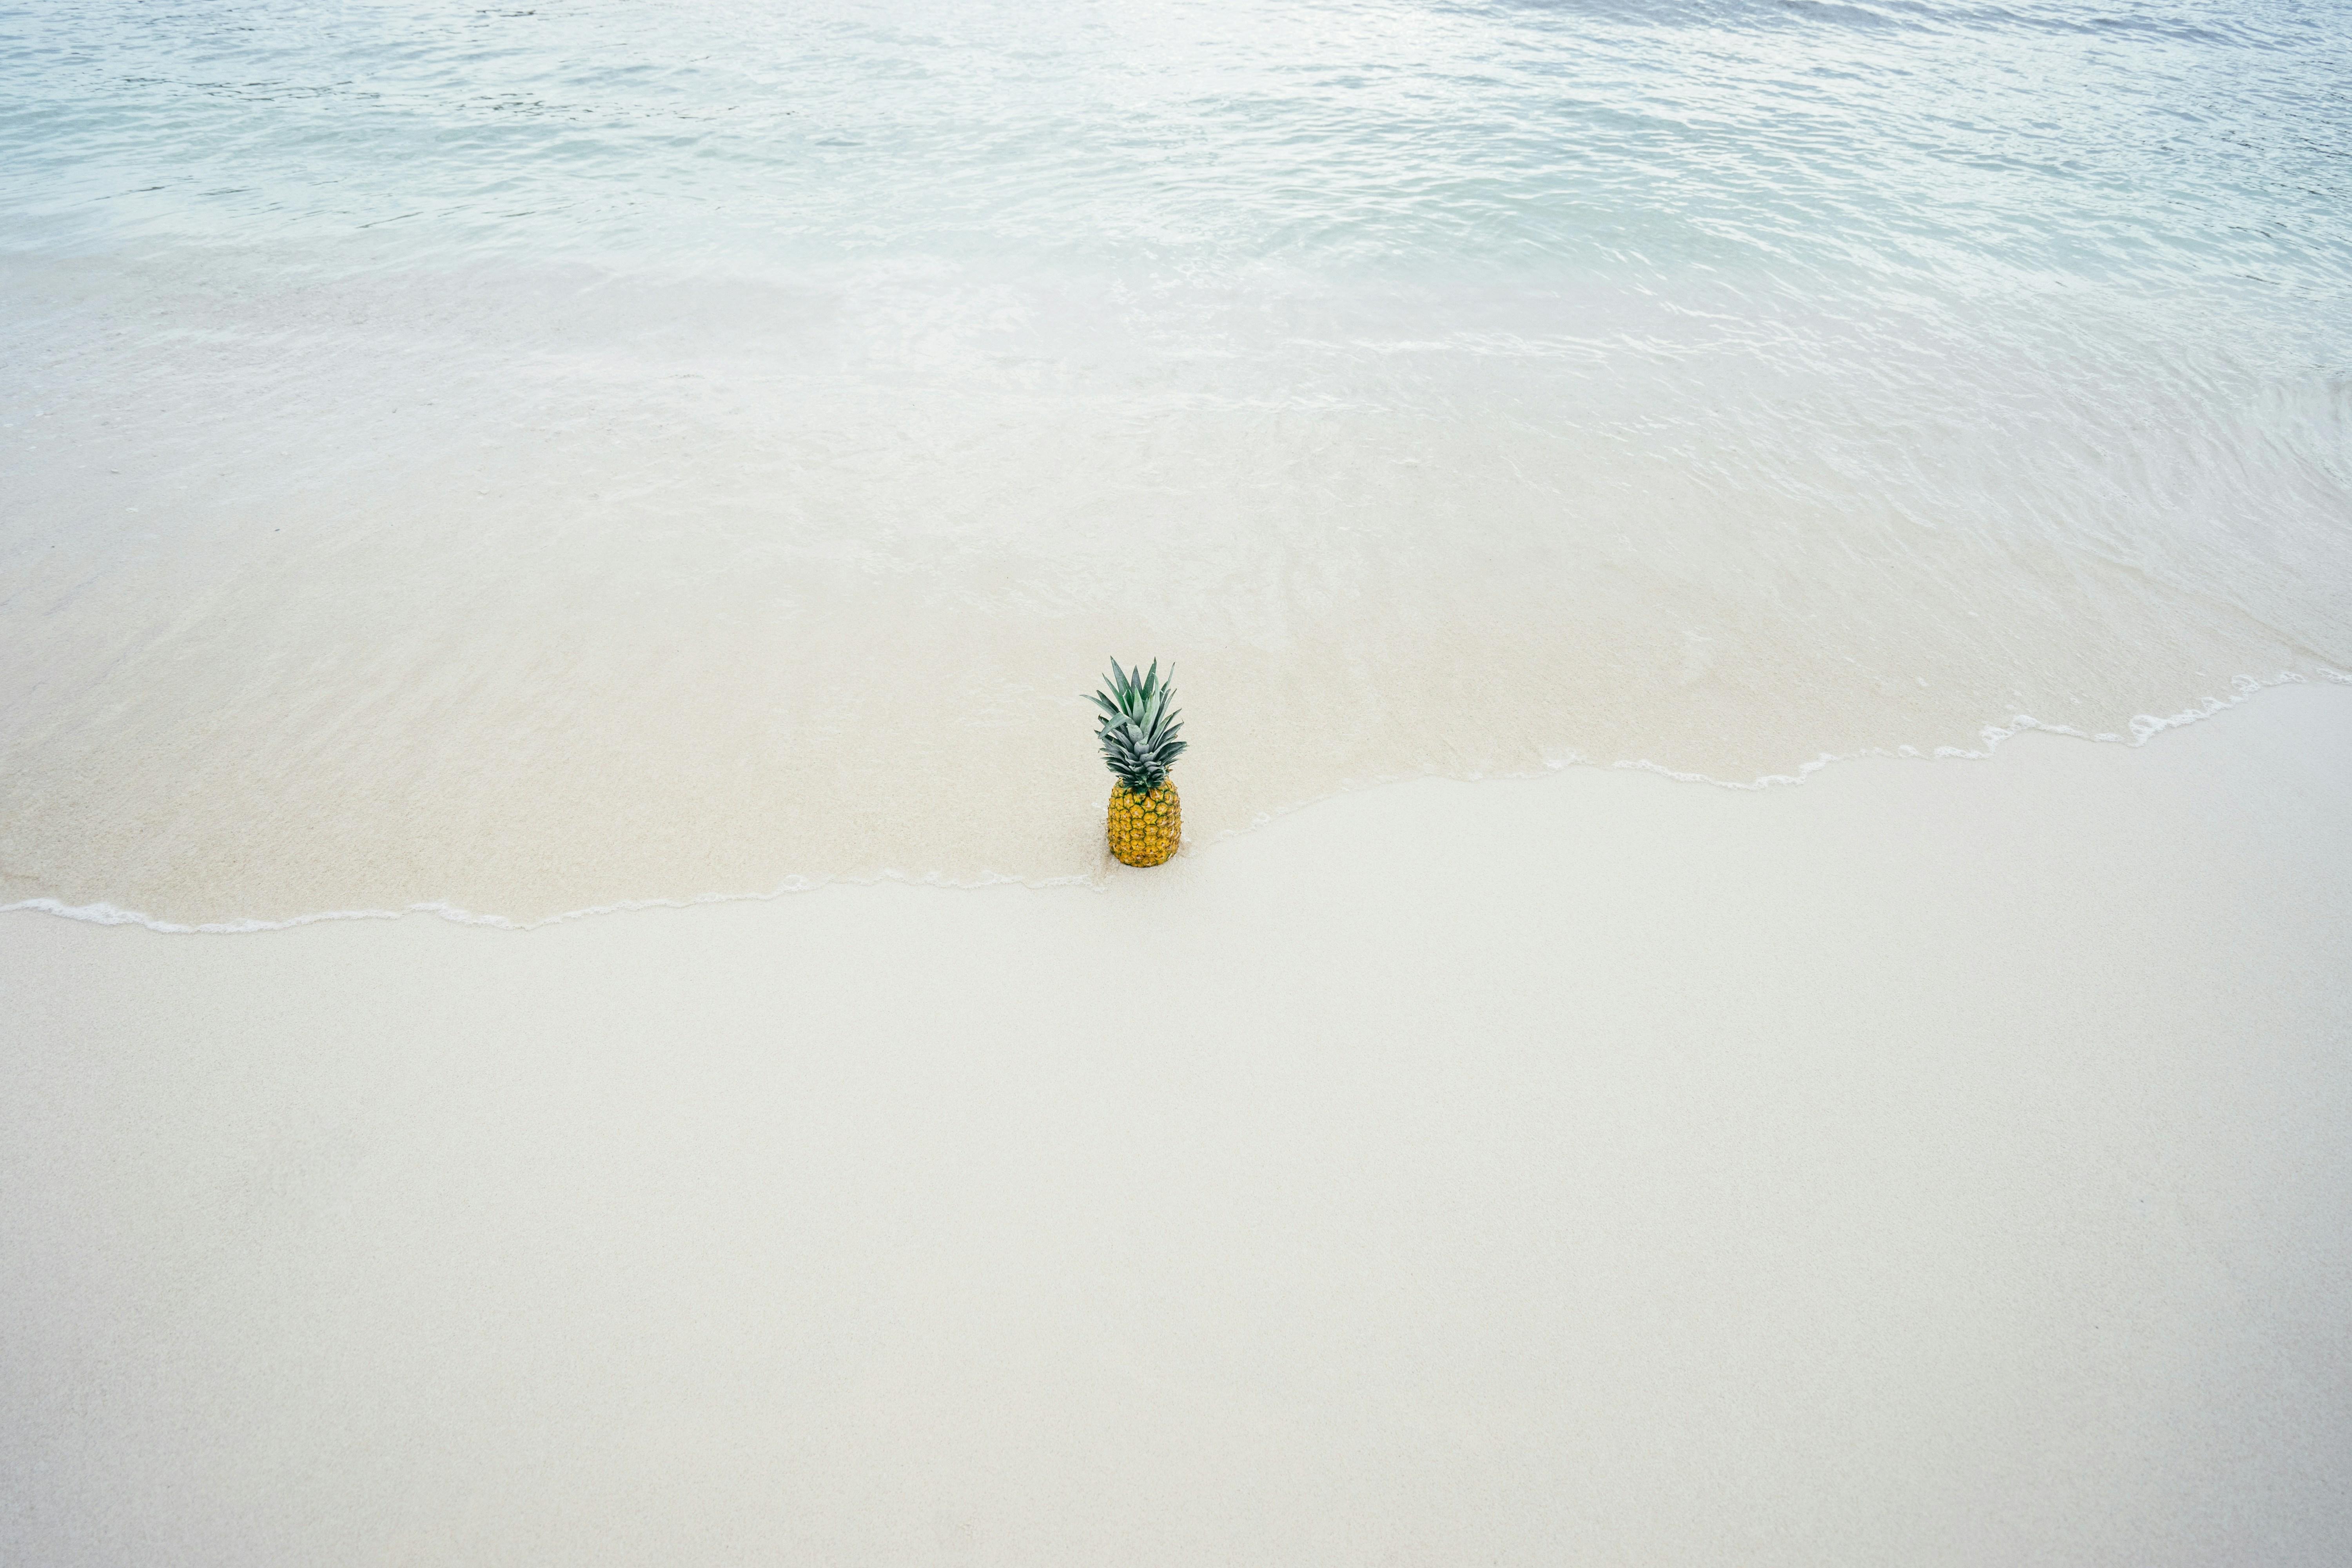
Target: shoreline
(1931,1164)
(2142,730)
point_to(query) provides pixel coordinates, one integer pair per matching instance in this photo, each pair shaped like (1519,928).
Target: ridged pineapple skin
(1144,828)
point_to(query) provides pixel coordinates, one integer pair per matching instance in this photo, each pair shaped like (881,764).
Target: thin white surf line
(2142,728)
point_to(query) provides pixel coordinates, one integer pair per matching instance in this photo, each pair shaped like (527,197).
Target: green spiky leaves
(1137,728)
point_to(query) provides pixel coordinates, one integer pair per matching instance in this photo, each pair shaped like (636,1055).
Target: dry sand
(1937,1163)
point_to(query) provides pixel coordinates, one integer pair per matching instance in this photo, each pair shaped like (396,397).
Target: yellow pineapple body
(1144,827)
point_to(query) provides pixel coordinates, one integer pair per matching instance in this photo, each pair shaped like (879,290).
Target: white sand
(1938,1163)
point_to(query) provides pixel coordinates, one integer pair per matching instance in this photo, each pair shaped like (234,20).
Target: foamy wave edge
(114,915)
(2142,728)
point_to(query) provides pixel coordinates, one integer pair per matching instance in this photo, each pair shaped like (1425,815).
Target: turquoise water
(538,457)
(1953,150)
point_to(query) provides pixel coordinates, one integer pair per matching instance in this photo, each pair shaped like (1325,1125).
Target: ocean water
(535,457)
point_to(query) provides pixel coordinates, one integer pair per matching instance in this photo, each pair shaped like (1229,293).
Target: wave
(2141,729)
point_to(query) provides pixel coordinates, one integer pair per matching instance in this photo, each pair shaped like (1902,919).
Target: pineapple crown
(1137,728)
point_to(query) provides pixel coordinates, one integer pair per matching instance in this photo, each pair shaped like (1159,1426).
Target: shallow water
(532,459)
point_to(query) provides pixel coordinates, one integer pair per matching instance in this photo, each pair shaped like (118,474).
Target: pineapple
(1138,731)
